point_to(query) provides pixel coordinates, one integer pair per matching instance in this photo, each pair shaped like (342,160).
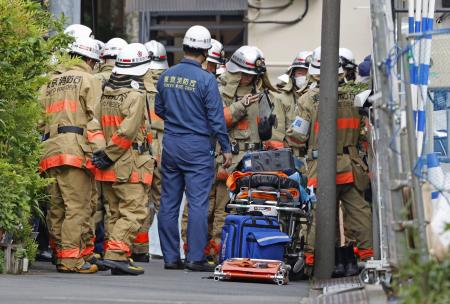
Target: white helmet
(314,65)
(247,59)
(87,47)
(113,47)
(133,59)
(346,59)
(158,55)
(197,37)
(301,61)
(78,30)
(101,46)
(216,54)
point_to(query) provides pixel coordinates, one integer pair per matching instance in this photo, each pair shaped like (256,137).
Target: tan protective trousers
(357,215)
(70,208)
(128,208)
(88,236)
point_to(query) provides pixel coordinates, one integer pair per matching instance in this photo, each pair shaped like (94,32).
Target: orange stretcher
(253,270)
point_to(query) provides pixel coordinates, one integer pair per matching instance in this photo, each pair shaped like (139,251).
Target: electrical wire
(287,4)
(294,21)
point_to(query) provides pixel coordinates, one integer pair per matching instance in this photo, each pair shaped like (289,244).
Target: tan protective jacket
(157,124)
(104,73)
(241,121)
(68,100)
(348,131)
(122,114)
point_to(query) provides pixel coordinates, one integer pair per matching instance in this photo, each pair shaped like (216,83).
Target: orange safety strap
(273,145)
(154,116)
(60,105)
(141,238)
(233,177)
(61,160)
(228,117)
(341,179)
(71,253)
(92,136)
(266,196)
(117,246)
(243,124)
(111,120)
(121,141)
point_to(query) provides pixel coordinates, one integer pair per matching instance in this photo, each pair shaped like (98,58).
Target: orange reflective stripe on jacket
(121,141)
(228,117)
(71,253)
(154,116)
(111,120)
(141,238)
(110,176)
(60,105)
(118,246)
(341,179)
(243,124)
(87,251)
(342,123)
(61,160)
(273,145)
(92,136)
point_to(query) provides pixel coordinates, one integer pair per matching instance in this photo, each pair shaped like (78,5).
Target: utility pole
(326,168)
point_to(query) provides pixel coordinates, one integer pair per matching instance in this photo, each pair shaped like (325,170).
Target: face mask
(300,81)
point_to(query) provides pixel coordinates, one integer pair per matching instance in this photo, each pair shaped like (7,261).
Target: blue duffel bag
(257,237)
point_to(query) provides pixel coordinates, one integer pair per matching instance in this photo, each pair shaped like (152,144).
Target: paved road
(43,285)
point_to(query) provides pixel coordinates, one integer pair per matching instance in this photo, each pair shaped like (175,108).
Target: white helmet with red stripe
(216,53)
(78,30)
(247,59)
(87,47)
(158,55)
(133,59)
(113,47)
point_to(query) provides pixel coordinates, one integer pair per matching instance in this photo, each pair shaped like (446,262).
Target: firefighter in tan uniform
(125,165)
(109,54)
(69,100)
(158,65)
(350,174)
(292,85)
(239,87)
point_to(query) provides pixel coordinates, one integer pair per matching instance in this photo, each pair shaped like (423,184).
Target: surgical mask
(300,81)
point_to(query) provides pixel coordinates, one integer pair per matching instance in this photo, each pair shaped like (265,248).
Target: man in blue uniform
(189,102)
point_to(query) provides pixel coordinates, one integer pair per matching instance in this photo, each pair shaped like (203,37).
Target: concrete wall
(280,43)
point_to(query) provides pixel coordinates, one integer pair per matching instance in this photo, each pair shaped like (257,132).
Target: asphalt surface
(43,285)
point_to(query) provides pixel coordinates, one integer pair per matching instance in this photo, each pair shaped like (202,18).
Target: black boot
(339,262)
(351,265)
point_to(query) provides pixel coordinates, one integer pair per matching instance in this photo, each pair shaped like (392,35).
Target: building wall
(280,43)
